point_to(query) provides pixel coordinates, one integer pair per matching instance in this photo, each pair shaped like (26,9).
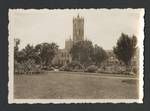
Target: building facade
(68,44)
(63,57)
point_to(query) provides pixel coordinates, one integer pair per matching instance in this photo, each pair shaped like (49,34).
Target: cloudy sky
(102,26)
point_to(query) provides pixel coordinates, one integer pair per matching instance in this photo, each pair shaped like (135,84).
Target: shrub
(135,70)
(91,68)
(18,68)
(27,67)
(64,68)
(73,66)
(67,68)
(99,70)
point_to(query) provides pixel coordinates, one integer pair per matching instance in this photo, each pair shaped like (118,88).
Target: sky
(101,26)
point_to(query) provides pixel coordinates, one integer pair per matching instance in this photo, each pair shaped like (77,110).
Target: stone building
(63,56)
(68,44)
(78,29)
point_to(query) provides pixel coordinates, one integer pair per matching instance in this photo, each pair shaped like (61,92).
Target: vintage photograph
(76,55)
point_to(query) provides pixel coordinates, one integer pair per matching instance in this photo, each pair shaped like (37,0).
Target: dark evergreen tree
(125,48)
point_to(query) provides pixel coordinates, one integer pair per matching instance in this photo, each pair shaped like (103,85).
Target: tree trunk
(128,68)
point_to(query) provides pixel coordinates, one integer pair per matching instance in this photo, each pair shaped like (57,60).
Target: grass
(69,85)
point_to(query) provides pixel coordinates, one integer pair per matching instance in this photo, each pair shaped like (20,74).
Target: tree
(16,48)
(21,56)
(99,55)
(29,52)
(125,48)
(82,51)
(46,52)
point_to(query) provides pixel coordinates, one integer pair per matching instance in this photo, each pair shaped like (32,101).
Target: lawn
(68,85)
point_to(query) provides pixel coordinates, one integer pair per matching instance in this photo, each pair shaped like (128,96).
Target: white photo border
(12,100)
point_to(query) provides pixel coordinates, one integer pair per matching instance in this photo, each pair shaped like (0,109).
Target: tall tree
(46,52)
(16,48)
(82,51)
(125,48)
(99,55)
(29,51)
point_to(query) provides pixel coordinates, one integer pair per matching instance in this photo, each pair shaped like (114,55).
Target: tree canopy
(46,51)
(16,47)
(42,53)
(125,48)
(87,54)
(99,55)
(82,51)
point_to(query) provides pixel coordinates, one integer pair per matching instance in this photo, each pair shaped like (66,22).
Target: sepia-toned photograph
(76,55)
